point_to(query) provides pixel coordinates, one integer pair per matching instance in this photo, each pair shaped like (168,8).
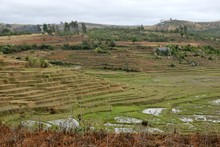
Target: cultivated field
(124,88)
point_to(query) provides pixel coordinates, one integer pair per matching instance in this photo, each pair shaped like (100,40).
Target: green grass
(192,92)
(189,91)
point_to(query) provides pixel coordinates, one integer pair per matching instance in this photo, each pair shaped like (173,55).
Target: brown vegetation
(19,137)
(41,39)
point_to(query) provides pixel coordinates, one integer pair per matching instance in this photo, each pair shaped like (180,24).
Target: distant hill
(191,26)
(168,25)
(27,28)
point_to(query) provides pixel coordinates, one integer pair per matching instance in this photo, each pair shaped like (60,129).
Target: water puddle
(127,120)
(153,111)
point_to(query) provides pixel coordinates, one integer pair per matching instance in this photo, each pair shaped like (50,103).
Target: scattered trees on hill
(66,27)
(45,28)
(83,28)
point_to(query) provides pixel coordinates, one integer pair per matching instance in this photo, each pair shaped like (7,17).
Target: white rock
(31,124)
(123,130)
(176,110)
(153,111)
(128,120)
(216,102)
(154,130)
(65,124)
(186,120)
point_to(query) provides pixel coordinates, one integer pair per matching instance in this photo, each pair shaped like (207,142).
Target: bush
(211,58)
(35,62)
(172,65)
(101,50)
(211,50)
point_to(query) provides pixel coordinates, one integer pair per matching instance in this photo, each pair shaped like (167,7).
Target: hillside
(167,25)
(192,26)
(115,79)
(26,89)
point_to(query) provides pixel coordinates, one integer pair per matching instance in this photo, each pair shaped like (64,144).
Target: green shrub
(9,49)
(211,58)
(172,65)
(101,50)
(35,62)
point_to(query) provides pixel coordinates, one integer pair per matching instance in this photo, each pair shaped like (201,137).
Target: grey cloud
(131,12)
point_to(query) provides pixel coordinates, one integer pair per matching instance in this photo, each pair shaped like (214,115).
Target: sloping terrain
(53,89)
(192,26)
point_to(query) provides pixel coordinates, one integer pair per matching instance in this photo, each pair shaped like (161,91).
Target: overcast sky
(120,12)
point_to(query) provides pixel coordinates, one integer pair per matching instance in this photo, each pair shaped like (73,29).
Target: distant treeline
(60,29)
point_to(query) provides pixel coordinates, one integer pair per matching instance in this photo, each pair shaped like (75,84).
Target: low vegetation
(9,49)
(36,62)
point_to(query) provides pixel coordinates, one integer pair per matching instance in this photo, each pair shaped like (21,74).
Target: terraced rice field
(185,99)
(52,90)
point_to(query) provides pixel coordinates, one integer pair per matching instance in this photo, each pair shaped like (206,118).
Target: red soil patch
(41,39)
(59,55)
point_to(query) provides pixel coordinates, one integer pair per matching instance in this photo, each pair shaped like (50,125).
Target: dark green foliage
(172,65)
(38,27)
(211,58)
(8,49)
(181,52)
(211,50)
(84,28)
(74,27)
(90,44)
(8,32)
(45,28)
(112,43)
(66,27)
(125,34)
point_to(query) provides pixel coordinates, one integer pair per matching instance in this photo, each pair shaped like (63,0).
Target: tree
(112,43)
(185,30)
(83,28)
(45,28)
(74,26)
(53,29)
(141,28)
(38,28)
(177,30)
(134,39)
(66,27)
